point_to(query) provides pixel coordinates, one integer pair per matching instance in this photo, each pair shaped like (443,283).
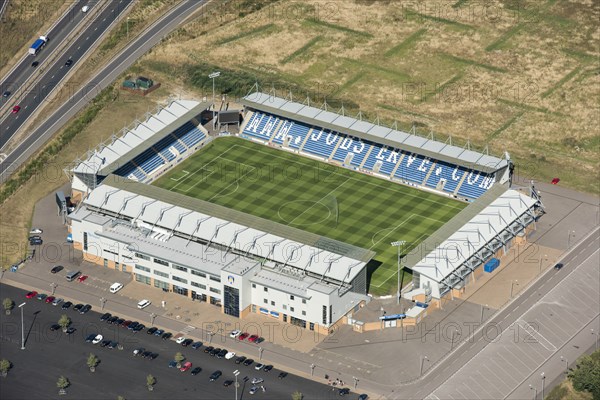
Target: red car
(16,109)
(31,295)
(185,366)
(555,181)
(243,336)
(50,299)
(82,278)
(253,338)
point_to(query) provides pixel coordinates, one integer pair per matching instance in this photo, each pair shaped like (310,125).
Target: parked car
(54,327)
(214,351)
(159,332)
(235,333)
(125,324)
(139,327)
(196,371)
(282,375)
(57,301)
(215,375)
(256,381)
(50,299)
(344,391)
(66,305)
(105,316)
(90,337)
(41,296)
(85,309)
(187,342)
(97,339)
(56,268)
(36,231)
(222,353)
(31,294)
(78,307)
(208,349)
(104,343)
(253,338)
(363,397)
(555,181)
(248,362)
(180,340)
(70,331)
(166,336)
(185,366)
(153,356)
(146,354)
(36,242)
(243,336)
(253,390)
(196,345)
(173,364)
(259,340)
(132,325)
(119,321)
(82,278)
(229,355)
(558,266)
(228,382)
(138,351)
(151,331)
(112,319)
(240,359)
(267,368)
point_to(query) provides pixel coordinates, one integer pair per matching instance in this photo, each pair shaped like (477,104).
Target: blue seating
(475,184)
(148,161)
(180,147)
(162,146)
(321,142)
(192,137)
(414,168)
(451,173)
(296,131)
(387,156)
(261,126)
(352,145)
(128,169)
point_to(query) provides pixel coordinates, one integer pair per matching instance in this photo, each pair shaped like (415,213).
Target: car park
(214,351)
(54,327)
(344,391)
(185,366)
(235,333)
(248,362)
(243,336)
(267,368)
(558,266)
(82,278)
(208,349)
(151,331)
(240,359)
(253,390)
(256,381)
(159,332)
(215,375)
(56,268)
(85,309)
(229,355)
(222,353)
(41,296)
(78,307)
(196,345)
(31,295)
(97,339)
(105,316)
(70,331)
(57,301)
(138,351)
(196,371)
(49,299)
(282,375)
(187,342)
(166,336)
(228,382)
(66,305)
(36,231)
(119,321)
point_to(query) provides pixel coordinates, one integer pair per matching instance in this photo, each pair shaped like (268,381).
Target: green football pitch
(331,201)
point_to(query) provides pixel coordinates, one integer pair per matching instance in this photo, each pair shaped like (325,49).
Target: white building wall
(280,299)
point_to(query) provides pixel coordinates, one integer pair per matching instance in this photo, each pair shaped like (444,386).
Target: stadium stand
(261,126)
(352,146)
(130,171)
(449,175)
(321,142)
(148,161)
(189,134)
(291,133)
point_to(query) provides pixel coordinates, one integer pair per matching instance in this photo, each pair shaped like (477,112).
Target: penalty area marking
(185,174)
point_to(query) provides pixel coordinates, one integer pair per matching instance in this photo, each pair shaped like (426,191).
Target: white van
(144,303)
(115,287)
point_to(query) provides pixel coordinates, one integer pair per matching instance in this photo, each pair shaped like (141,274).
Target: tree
(8,305)
(92,361)
(120,398)
(150,382)
(297,395)
(586,377)
(4,366)
(64,322)
(179,358)
(62,384)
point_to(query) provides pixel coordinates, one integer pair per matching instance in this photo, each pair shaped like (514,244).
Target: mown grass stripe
(527,107)
(400,75)
(302,50)
(504,37)
(441,88)
(445,21)
(459,3)
(473,63)
(255,31)
(406,43)
(357,77)
(505,125)
(580,55)
(318,22)
(561,82)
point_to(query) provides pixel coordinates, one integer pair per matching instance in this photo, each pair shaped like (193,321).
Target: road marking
(536,335)
(78,47)
(53,75)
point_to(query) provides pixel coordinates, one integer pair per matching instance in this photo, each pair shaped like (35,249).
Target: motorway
(48,355)
(54,73)
(106,76)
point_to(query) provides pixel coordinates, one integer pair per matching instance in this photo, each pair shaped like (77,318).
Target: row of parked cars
(81,308)
(237,334)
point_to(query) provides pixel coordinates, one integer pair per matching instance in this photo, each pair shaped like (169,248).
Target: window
(254,286)
(215,290)
(111,252)
(178,279)
(198,273)
(161,262)
(105,263)
(273,303)
(303,301)
(303,312)
(159,273)
(266,289)
(85,241)
(142,256)
(291,297)
(160,284)
(266,301)
(312,326)
(324,315)
(142,268)
(330,313)
(215,278)
(292,309)
(179,267)
(142,279)
(123,267)
(285,307)
(199,285)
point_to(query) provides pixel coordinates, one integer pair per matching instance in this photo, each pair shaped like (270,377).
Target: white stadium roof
(155,214)
(449,255)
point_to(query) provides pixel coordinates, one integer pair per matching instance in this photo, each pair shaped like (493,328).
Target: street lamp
(512,285)
(312,369)
(127,28)
(398,244)
(152,317)
(22,327)
(566,364)
(452,340)
(594,333)
(482,308)
(569,240)
(355,382)
(543,384)
(212,76)
(236,373)
(535,391)
(423,358)
(53,286)
(102,303)
(260,351)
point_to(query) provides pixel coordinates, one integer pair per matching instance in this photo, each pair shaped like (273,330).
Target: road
(119,373)
(54,73)
(106,76)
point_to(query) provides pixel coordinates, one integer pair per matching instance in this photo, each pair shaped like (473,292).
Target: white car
(234,334)
(85,9)
(259,366)
(180,340)
(35,231)
(229,355)
(97,339)
(256,381)
(253,390)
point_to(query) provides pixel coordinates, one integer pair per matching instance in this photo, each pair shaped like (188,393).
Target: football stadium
(293,211)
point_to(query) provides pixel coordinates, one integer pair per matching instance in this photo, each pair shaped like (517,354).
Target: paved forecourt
(354,208)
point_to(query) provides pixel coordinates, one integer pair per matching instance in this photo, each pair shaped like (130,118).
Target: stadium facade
(247,264)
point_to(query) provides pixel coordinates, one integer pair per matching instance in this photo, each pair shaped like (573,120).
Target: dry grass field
(521,77)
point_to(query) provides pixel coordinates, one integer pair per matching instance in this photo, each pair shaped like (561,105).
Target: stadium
(293,211)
